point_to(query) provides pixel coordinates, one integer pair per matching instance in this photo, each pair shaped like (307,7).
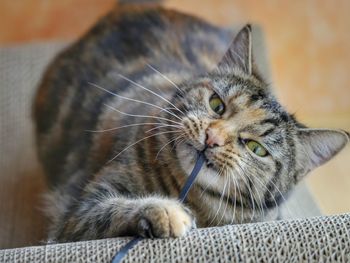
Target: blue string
(122,252)
(183,194)
(190,180)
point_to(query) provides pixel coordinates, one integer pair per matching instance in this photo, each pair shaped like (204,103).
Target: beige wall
(309,51)
(308,41)
(309,46)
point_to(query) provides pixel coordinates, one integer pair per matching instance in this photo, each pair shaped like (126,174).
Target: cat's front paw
(165,218)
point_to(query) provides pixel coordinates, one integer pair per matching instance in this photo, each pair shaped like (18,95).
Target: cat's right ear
(320,145)
(239,55)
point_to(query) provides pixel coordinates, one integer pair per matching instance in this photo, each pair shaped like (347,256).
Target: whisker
(164,126)
(222,171)
(179,142)
(245,180)
(141,116)
(152,92)
(134,100)
(125,126)
(170,141)
(129,146)
(234,206)
(165,77)
(253,199)
(262,211)
(221,197)
(235,184)
(280,193)
(241,200)
(282,196)
(220,202)
(209,183)
(228,197)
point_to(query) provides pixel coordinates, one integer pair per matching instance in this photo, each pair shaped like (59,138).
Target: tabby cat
(122,113)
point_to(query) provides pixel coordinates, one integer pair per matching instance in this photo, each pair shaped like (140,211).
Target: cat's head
(248,137)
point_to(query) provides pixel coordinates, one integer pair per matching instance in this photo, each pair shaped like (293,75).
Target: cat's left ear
(239,53)
(318,146)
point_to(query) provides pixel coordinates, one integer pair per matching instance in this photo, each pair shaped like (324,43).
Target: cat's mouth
(209,163)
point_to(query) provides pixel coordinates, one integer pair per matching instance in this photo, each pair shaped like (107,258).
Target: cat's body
(104,188)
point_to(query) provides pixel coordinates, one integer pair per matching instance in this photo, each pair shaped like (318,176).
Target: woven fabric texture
(318,239)
(21,179)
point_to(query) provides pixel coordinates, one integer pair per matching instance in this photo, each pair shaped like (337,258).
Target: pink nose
(213,138)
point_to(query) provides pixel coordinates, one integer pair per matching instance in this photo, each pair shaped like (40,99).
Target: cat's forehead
(230,85)
(242,92)
(249,103)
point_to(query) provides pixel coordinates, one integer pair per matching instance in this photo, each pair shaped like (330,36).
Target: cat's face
(255,150)
(248,138)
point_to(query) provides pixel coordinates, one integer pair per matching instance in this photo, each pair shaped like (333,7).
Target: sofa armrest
(317,239)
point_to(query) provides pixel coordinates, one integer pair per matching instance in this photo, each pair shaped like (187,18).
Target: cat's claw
(165,219)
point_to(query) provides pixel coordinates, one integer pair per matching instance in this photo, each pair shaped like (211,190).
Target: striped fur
(121,114)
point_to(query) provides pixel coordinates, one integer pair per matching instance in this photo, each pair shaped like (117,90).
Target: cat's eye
(256,148)
(216,104)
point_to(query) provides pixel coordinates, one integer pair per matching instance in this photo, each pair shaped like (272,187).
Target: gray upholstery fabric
(320,239)
(21,179)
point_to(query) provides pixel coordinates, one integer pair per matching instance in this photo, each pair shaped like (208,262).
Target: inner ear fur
(320,145)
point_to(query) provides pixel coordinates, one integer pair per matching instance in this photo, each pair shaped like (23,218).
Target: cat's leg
(104,212)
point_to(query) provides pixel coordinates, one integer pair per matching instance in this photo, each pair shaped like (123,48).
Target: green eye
(216,104)
(256,148)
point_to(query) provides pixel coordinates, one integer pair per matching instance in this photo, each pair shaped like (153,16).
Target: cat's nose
(213,138)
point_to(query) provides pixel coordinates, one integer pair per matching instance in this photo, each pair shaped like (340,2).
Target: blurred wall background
(309,52)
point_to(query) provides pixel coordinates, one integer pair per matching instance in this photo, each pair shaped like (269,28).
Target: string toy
(118,257)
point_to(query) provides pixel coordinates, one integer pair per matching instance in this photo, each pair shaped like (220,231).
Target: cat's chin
(208,175)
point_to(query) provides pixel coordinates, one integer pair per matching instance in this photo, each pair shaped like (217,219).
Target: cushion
(318,239)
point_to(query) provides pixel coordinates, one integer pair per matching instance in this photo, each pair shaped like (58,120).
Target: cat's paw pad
(165,219)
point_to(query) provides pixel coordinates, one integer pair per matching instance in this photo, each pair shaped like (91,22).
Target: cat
(122,113)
